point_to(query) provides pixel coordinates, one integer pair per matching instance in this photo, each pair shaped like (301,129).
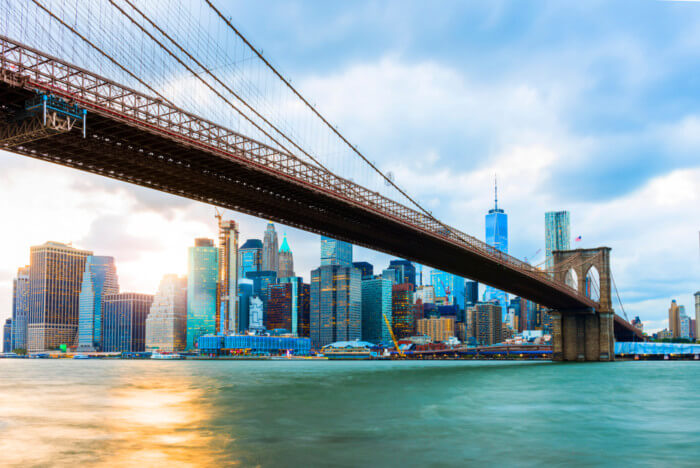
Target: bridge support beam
(582,337)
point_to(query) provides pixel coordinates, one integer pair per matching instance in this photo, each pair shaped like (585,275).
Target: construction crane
(218,216)
(393,337)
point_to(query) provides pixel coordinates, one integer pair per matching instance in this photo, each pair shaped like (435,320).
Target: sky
(591,107)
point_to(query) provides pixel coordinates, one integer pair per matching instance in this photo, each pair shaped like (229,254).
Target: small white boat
(167,356)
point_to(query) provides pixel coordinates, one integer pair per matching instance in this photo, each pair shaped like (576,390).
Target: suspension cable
(618,297)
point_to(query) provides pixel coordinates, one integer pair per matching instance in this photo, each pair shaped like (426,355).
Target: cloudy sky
(591,107)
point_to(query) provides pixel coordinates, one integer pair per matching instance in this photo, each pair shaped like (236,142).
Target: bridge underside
(130,152)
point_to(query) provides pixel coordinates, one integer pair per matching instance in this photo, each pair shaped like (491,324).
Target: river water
(297,413)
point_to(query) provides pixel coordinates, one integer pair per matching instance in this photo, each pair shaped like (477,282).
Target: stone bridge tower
(584,334)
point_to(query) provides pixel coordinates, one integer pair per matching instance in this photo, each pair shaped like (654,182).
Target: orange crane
(393,337)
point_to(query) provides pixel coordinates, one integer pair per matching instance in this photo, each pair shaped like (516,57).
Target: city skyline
(552,118)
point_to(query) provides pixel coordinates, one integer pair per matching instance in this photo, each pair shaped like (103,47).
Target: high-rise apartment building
(684,321)
(335,252)
(250,257)
(448,286)
(438,329)
(288,306)
(286,260)
(674,323)
(376,304)
(55,278)
(496,222)
(403,319)
(7,336)
(488,323)
(124,322)
(99,279)
(557,234)
(336,304)
(227,299)
(202,276)
(166,324)
(20,308)
(270,256)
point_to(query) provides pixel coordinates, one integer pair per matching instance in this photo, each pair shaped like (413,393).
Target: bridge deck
(141,140)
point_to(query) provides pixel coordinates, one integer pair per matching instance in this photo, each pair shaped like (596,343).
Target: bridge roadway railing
(24,66)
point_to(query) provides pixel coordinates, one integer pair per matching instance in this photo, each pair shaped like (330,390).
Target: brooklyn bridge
(96,98)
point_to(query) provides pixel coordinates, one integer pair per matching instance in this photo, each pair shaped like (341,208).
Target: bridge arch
(592,283)
(571,279)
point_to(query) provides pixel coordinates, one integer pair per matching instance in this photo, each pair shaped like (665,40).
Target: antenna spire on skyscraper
(495,191)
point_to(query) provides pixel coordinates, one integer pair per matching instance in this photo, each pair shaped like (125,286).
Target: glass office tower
(335,252)
(557,234)
(202,274)
(250,257)
(376,304)
(20,308)
(99,278)
(497,236)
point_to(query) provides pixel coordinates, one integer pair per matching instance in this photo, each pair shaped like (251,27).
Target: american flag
(578,239)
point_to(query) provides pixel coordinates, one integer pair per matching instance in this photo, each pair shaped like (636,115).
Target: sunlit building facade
(557,234)
(250,257)
(99,279)
(124,322)
(438,329)
(288,306)
(55,279)
(166,324)
(20,308)
(270,254)
(336,304)
(227,299)
(202,275)
(286,260)
(376,304)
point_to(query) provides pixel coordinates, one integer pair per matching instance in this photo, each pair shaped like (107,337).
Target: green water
(155,413)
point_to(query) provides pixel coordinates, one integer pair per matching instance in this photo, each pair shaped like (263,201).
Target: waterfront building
(286,260)
(557,235)
(55,278)
(245,291)
(697,315)
(438,329)
(366,269)
(270,255)
(448,286)
(20,308)
(124,321)
(335,252)
(674,323)
(250,257)
(7,336)
(470,325)
(227,289)
(403,318)
(471,293)
(216,344)
(288,306)
(496,222)
(404,271)
(99,279)
(488,323)
(376,305)
(166,324)
(336,300)
(202,276)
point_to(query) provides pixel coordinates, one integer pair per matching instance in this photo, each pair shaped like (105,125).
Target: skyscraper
(250,257)
(262,280)
(7,336)
(697,315)
(202,275)
(270,261)
(557,234)
(403,319)
(99,279)
(227,300)
(335,252)
(245,292)
(166,324)
(487,323)
(366,269)
(376,304)
(336,304)
(674,323)
(55,278)
(124,322)
(286,260)
(471,295)
(497,236)
(405,271)
(449,286)
(20,308)
(288,306)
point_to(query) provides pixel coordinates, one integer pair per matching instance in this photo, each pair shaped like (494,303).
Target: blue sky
(588,106)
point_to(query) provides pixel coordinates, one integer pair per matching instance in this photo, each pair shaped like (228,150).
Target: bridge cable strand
(286,150)
(323,119)
(209,72)
(618,296)
(106,55)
